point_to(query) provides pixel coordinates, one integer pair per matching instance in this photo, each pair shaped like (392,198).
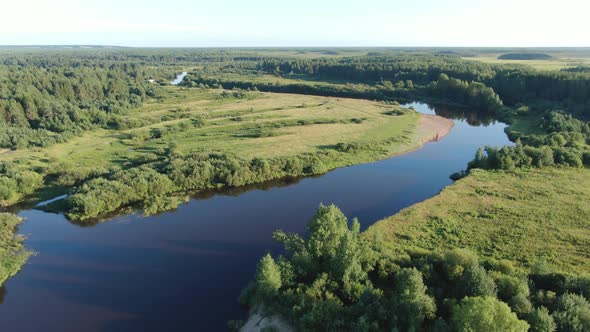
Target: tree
(521,304)
(474,314)
(411,303)
(347,265)
(457,260)
(572,313)
(477,282)
(541,320)
(268,275)
(326,230)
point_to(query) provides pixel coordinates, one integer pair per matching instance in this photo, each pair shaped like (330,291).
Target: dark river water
(183,270)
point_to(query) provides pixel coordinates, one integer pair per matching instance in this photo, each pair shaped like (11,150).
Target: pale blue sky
(296,23)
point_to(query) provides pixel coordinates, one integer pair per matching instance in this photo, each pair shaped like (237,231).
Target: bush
(411,303)
(475,281)
(572,313)
(486,314)
(541,320)
(568,157)
(456,261)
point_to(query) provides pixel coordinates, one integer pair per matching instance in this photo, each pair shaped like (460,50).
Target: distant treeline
(513,84)
(409,75)
(47,97)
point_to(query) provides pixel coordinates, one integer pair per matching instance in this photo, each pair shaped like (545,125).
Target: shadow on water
(184,269)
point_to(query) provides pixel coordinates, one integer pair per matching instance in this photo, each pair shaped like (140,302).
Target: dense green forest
(48,99)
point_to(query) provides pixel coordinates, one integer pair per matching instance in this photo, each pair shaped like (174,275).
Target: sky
(250,23)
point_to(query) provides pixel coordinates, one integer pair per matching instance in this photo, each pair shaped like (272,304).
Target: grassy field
(296,123)
(526,216)
(251,125)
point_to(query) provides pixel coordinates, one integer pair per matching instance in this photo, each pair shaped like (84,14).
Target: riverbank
(249,125)
(12,252)
(528,217)
(433,127)
(258,323)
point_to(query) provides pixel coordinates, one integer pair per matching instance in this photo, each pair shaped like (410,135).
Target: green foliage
(510,286)
(326,230)
(16,183)
(475,281)
(268,276)
(336,280)
(46,99)
(321,283)
(457,261)
(473,93)
(123,188)
(486,314)
(512,157)
(12,252)
(411,304)
(541,321)
(572,313)
(555,122)
(157,204)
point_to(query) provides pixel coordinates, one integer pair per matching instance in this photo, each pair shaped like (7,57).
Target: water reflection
(471,117)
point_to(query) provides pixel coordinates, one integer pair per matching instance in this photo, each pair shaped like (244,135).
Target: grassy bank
(246,125)
(496,251)
(197,119)
(527,216)
(12,253)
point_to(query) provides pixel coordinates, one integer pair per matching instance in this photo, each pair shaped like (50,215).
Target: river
(179,78)
(183,270)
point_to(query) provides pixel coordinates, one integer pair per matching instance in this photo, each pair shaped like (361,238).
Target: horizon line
(284,47)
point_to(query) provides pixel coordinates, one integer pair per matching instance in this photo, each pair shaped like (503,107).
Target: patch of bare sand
(432,128)
(256,323)
(5,152)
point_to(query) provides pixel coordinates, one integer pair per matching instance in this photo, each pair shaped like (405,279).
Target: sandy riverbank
(433,127)
(257,323)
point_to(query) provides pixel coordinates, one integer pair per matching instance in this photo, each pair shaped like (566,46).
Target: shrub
(541,320)
(486,314)
(572,313)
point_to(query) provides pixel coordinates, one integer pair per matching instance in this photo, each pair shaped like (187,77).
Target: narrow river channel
(183,270)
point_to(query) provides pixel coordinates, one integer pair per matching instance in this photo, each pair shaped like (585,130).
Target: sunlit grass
(526,216)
